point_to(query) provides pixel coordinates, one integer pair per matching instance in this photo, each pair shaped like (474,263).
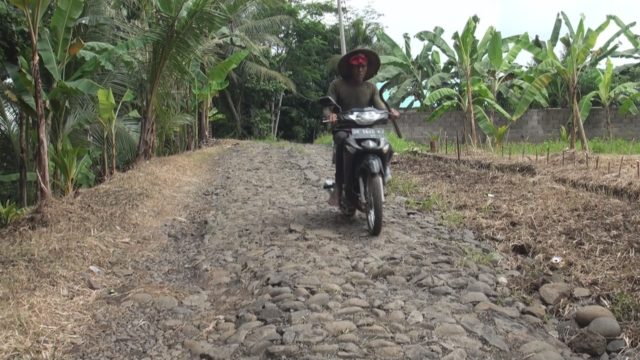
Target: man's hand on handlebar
(331,118)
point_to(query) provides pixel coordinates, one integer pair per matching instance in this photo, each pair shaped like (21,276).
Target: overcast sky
(510,17)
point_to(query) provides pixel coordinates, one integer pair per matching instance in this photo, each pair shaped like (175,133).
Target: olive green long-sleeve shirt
(350,96)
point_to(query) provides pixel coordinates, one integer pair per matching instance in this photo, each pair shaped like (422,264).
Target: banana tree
(209,84)
(445,100)
(466,54)
(406,78)
(622,94)
(581,53)
(634,39)
(33,11)
(107,119)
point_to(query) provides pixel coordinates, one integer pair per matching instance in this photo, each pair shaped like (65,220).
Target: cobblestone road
(266,269)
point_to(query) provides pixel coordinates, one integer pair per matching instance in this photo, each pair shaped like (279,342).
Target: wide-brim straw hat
(373,63)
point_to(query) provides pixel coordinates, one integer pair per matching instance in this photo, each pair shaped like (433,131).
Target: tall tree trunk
(471,115)
(278,111)
(203,115)
(575,114)
(583,136)
(105,155)
(23,160)
(272,116)
(234,112)
(113,151)
(42,156)
(147,144)
(609,126)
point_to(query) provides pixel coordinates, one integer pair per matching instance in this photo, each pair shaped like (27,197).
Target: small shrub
(564,134)
(8,212)
(624,306)
(70,164)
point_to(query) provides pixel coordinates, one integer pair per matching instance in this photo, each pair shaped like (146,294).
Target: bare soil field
(559,216)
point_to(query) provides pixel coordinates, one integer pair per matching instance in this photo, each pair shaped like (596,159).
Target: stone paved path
(271,271)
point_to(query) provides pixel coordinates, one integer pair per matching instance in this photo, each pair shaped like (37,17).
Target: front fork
(372,165)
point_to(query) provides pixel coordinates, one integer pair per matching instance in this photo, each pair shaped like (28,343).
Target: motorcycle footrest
(328,185)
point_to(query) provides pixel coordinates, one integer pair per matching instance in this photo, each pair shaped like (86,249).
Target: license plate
(367,133)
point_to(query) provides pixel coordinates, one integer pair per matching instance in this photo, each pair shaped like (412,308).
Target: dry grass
(544,210)
(45,259)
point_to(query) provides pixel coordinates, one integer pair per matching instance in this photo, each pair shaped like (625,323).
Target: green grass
(452,218)
(324,139)
(399,145)
(427,204)
(477,256)
(597,146)
(402,186)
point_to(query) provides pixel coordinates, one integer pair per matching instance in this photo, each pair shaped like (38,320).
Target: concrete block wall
(537,125)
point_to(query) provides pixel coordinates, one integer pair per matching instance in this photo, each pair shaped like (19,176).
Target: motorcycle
(368,171)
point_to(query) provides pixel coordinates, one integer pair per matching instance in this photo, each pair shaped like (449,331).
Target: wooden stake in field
(562,157)
(502,146)
(597,162)
(509,153)
(638,167)
(536,154)
(609,167)
(523,153)
(446,143)
(587,158)
(548,149)
(620,168)
(458,145)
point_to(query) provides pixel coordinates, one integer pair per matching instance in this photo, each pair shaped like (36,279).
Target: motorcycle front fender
(373,164)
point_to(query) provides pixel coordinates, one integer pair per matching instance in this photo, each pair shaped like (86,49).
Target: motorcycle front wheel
(374,204)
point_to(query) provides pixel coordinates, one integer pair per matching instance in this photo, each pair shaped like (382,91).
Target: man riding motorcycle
(352,91)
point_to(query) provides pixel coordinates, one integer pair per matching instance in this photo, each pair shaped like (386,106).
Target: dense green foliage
(125,80)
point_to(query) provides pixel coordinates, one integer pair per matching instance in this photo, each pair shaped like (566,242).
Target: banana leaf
(436,96)
(9,178)
(443,109)
(585,105)
(64,18)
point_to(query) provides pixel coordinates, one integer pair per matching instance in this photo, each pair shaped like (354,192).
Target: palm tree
(247,29)
(176,35)
(33,11)
(17,105)
(361,33)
